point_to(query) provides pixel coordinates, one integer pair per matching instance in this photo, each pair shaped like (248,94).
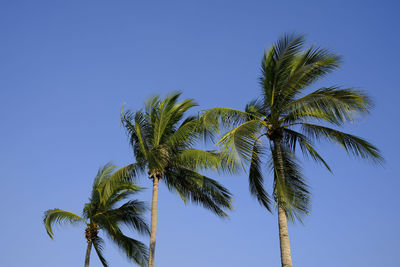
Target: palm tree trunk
(88,250)
(286,257)
(153,221)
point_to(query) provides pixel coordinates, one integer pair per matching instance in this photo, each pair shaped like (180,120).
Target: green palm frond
(238,142)
(186,135)
(169,112)
(256,179)
(130,214)
(306,68)
(103,174)
(332,104)
(292,138)
(221,118)
(111,194)
(197,159)
(132,248)
(350,143)
(275,68)
(197,188)
(57,216)
(255,109)
(290,188)
(120,180)
(98,244)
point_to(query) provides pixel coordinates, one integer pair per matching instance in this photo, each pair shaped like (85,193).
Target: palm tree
(286,117)
(104,212)
(163,142)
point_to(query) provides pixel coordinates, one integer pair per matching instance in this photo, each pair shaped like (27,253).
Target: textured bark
(88,250)
(153,221)
(286,258)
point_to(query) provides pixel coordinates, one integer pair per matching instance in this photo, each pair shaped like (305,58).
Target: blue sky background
(67,67)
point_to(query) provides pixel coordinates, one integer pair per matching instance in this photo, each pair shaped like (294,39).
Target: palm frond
(332,104)
(238,142)
(132,248)
(131,214)
(290,188)
(138,129)
(197,159)
(306,68)
(98,244)
(121,179)
(57,216)
(276,65)
(170,112)
(186,135)
(220,118)
(292,138)
(256,109)
(197,188)
(103,173)
(256,179)
(110,195)
(350,143)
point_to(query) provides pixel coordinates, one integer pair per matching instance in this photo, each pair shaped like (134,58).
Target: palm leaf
(290,188)
(350,143)
(130,214)
(197,188)
(291,138)
(332,104)
(98,244)
(57,216)
(256,179)
(238,142)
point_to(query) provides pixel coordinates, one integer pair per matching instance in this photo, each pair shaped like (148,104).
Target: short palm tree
(105,212)
(285,117)
(163,142)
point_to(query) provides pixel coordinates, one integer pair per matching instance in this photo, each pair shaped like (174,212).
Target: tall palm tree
(286,117)
(163,142)
(105,212)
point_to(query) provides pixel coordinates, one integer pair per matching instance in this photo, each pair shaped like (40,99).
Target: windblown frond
(256,179)
(332,104)
(197,159)
(350,143)
(276,67)
(291,138)
(120,180)
(133,249)
(238,142)
(197,188)
(131,214)
(221,118)
(98,244)
(290,188)
(57,216)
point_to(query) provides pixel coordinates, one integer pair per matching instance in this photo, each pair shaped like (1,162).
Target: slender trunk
(286,257)
(88,250)
(153,221)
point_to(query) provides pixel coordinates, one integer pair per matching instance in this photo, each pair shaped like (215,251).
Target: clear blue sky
(66,68)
